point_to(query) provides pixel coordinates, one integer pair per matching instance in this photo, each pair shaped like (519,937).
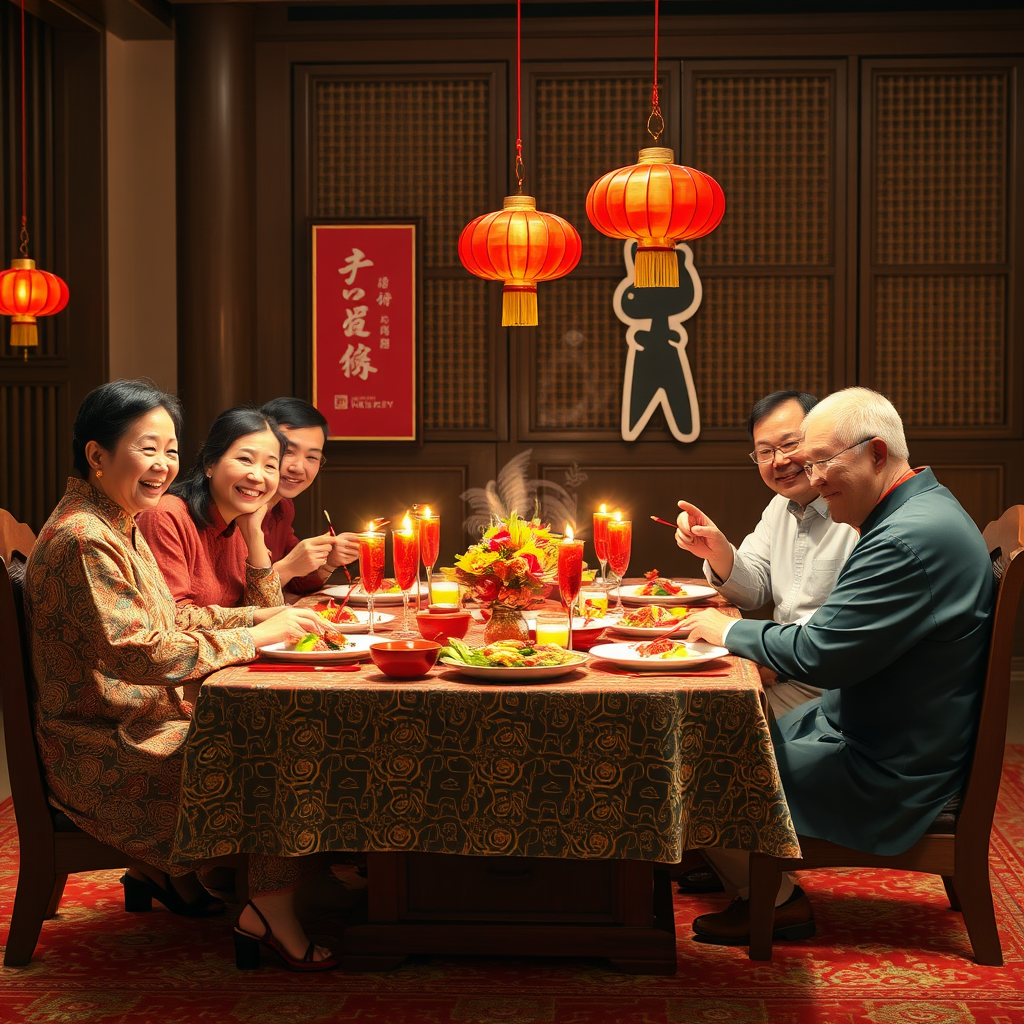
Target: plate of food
(663,591)
(651,620)
(511,661)
(350,620)
(670,656)
(312,649)
(389,592)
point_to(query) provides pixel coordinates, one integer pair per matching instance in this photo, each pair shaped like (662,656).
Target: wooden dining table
(507,819)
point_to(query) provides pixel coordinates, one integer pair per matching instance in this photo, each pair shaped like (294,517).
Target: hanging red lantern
(519,244)
(656,201)
(25,292)
(659,203)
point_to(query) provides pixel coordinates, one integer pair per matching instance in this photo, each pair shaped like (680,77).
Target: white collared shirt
(793,558)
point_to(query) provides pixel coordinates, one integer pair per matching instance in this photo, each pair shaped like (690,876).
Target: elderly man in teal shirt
(900,648)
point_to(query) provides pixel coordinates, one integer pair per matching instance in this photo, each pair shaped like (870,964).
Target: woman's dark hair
(108,411)
(228,427)
(768,404)
(296,412)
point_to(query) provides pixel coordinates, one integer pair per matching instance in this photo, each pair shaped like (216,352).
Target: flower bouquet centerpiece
(514,563)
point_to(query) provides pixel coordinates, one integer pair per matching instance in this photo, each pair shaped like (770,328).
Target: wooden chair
(956,845)
(14,536)
(52,847)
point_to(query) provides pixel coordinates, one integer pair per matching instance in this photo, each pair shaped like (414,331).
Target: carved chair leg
(35,891)
(954,900)
(975,892)
(58,891)
(765,880)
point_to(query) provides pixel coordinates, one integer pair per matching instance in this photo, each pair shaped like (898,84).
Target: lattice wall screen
(419,148)
(32,424)
(939,198)
(584,127)
(770,142)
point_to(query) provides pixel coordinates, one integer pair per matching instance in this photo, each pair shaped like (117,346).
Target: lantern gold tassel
(519,306)
(24,333)
(656,268)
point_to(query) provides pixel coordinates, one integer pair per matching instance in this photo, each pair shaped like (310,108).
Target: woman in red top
(207,535)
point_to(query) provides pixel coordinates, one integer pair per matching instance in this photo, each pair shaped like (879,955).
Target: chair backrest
(1005,539)
(28,788)
(14,536)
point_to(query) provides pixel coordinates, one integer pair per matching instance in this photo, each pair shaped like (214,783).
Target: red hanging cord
(24,154)
(520,169)
(656,119)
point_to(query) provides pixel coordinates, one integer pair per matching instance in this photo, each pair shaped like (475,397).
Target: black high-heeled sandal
(140,893)
(247,950)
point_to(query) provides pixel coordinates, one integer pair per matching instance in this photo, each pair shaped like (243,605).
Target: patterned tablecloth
(602,764)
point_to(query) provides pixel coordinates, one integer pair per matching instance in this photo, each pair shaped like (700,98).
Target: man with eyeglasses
(900,647)
(795,552)
(303,565)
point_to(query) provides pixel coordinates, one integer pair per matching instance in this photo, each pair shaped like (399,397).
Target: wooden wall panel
(34,427)
(979,488)
(940,335)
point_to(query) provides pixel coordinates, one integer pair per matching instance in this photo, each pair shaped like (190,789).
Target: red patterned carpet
(888,951)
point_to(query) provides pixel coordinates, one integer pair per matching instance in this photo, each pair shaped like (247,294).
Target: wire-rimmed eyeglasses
(766,453)
(822,465)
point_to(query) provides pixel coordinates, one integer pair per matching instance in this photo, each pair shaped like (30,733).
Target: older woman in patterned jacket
(109,650)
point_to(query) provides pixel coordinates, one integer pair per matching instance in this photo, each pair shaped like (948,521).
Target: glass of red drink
(430,541)
(620,539)
(407,565)
(570,574)
(371,568)
(601,520)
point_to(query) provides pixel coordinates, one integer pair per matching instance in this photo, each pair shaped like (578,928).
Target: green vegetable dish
(509,654)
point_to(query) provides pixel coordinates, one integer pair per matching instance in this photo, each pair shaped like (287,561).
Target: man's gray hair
(859,413)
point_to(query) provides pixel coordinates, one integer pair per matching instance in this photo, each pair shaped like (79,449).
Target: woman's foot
(278,910)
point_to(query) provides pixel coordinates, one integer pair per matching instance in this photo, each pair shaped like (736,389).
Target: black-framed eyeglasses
(822,465)
(766,453)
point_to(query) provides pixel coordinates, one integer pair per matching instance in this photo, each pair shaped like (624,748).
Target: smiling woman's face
(137,473)
(246,475)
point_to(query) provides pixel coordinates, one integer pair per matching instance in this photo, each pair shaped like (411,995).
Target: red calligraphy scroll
(366,329)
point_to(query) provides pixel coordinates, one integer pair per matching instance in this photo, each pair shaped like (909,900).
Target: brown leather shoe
(794,919)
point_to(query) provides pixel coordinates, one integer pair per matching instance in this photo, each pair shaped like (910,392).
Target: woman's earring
(99,472)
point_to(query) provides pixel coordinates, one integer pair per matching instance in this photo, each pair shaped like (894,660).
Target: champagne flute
(430,542)
(620,539)
(371,568)
(570,575)
(601,520)
(407,565)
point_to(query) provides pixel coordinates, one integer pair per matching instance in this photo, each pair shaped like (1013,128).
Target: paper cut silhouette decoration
(657,369)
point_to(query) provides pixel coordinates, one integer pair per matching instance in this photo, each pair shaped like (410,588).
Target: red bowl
(405,659)
(442,626)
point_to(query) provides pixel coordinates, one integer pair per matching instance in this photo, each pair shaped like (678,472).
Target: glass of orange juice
(552,628)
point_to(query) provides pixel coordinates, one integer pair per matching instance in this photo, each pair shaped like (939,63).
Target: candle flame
(604,508)
(618,516)
(407,524)
(369,527)
(568,532)
(426,512)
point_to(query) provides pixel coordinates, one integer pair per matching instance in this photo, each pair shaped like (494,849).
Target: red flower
(501,539)
(531,561)
(487,589)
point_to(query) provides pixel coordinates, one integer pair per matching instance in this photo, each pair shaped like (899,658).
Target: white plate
(500,674)
(363,623)
(359,650)
(359,596)
(650,632)
(632,595)
(625,656)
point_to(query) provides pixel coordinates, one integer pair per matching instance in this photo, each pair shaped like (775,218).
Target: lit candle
(407,564)
(430,538)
